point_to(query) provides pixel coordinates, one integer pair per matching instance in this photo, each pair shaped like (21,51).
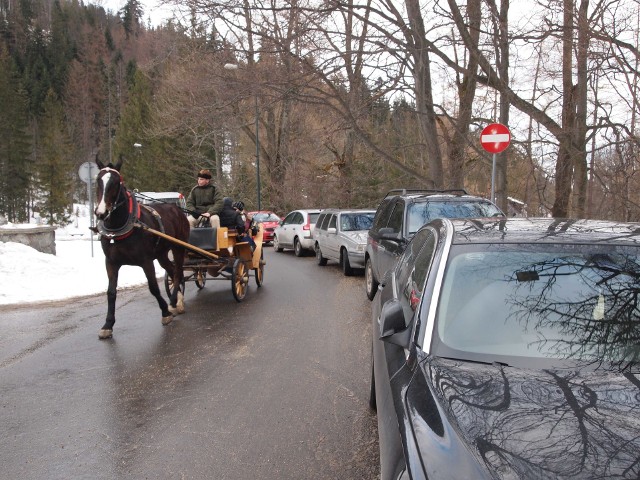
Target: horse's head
(108,189)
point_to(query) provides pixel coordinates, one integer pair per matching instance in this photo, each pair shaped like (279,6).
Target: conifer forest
(324,103)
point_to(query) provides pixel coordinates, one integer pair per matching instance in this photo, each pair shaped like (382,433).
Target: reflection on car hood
(358,236)
(540,423)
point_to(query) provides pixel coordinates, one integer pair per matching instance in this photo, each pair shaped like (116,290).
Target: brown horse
(119,216)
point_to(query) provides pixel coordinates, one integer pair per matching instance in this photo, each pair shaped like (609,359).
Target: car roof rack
(424,191)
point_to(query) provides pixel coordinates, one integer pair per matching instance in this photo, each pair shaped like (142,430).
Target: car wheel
(372,391)
(370,283)
(276,245)
(344,262)
(297,247)
(319,258)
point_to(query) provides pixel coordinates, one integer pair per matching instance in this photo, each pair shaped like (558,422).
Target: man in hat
(205,200)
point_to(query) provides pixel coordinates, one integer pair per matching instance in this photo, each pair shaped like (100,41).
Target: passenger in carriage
(205,200)
(230,217)
(250,228)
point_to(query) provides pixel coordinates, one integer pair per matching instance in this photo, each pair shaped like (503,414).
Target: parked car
(509,349)
(296,231)
(149,198)
(269,221)
(399,216)
(341,235)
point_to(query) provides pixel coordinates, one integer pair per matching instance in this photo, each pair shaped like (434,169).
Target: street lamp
(233,66)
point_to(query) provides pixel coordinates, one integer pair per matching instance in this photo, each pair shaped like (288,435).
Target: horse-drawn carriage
(136,234)
(220,254)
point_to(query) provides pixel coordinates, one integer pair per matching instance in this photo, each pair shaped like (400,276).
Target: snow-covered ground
(31,276)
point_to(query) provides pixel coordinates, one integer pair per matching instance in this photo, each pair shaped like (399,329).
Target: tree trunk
(466,94)
(424,94)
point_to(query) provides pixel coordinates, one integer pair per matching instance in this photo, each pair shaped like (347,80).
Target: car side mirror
(387,233)
(392,324)
(331,230)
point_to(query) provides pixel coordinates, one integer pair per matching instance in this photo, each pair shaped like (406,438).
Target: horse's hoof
(167,320)
(176,310)
(105,333)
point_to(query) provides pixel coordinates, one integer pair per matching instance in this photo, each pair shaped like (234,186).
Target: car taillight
(307,226)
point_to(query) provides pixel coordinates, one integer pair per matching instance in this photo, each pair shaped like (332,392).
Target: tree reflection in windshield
(562,304)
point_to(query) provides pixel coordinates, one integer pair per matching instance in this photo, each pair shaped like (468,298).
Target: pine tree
(55,166)
(15,145)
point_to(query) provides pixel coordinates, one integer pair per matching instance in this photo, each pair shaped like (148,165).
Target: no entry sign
(495,138)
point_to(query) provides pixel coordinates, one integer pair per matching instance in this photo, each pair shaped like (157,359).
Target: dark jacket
(231,218)
(205,199)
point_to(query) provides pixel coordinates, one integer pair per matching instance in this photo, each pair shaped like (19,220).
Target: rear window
(424,212)
(313,218)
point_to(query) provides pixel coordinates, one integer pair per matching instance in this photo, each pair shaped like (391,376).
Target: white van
(149,198)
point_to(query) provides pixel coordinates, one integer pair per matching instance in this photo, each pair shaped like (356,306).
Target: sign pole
(494,139)
(493,179)
(86,175)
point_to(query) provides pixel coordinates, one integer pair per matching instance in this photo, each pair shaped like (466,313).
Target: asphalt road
(275,387)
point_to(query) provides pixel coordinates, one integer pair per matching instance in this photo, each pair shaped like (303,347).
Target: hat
(227,201)
(204,174)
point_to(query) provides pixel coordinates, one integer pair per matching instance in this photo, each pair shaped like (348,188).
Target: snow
(31,276)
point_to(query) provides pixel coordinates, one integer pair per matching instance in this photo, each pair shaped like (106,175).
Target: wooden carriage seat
(209,238)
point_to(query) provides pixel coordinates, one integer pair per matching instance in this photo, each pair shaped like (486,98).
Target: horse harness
(133,220)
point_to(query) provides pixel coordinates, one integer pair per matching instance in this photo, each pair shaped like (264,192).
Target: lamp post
(233,66)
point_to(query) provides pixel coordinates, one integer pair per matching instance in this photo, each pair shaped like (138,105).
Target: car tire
(370,282)
(276,245)
(345,264)
(322,261)
(297,247)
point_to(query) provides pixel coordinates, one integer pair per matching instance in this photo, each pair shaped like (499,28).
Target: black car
(399,216)
(510,349)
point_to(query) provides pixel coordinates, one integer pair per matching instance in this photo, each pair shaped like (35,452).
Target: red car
(270,221)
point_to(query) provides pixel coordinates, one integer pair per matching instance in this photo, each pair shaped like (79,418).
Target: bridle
(121,199)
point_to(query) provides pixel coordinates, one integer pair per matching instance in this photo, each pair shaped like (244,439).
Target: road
(275,387)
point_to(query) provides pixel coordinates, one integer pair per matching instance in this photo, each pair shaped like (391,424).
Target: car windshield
(351,222)
(576,303)
(422,213)
(266,217)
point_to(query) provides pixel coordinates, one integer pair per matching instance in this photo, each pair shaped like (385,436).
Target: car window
(382,215)
(298,219)
(542,301)
(321,221)
(332,222)
(350,222)
(313,217)
(266,217)
(289,219)
(395,220)
(412,268)
(422,213)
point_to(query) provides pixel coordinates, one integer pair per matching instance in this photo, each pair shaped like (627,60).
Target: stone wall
(42,238)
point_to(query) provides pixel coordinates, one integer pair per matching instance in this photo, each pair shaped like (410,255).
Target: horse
(123,242)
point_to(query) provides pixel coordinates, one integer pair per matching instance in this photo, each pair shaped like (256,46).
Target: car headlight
(360,248)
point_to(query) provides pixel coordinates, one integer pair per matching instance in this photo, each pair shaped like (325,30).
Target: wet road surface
(275,387)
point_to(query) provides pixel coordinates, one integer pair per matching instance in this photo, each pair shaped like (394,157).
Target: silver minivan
(341,236)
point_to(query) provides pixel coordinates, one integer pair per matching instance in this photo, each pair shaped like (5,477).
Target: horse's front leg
(175,271)
(150,273)
(112,290)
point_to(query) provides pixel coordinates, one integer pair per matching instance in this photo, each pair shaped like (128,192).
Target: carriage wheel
(259,272)
(239,280)
(168,284)
(201,278)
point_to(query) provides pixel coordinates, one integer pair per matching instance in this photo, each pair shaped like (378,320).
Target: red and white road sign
(495,138)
